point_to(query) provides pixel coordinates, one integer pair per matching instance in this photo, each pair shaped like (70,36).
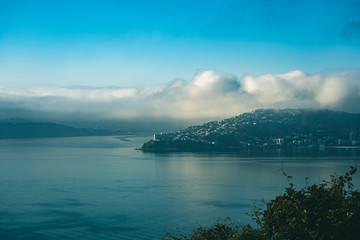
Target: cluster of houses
(208,133)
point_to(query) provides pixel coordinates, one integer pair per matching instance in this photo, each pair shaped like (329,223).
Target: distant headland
(264,129)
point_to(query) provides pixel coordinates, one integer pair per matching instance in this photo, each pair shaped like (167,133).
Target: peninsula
(264,129)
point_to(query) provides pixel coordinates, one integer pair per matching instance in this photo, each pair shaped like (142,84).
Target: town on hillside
(265,129)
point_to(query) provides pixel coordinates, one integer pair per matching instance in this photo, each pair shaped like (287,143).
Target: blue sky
(148,43)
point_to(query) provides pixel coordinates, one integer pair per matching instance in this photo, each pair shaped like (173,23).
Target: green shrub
(329,210)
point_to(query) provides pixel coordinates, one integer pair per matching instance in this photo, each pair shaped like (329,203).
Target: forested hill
(264,128)
(21,128)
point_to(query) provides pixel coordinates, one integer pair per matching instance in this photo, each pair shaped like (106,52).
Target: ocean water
(102,188)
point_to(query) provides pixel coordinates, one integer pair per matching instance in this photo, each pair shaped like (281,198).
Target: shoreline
(240,149)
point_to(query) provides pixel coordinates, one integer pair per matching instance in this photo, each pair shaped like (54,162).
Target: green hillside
(264,128)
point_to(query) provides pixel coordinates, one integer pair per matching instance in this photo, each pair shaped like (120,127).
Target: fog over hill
(209,95)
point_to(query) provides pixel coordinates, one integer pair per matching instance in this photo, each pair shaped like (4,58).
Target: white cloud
(324,89)
(272,88)
(209,95)
(92,94)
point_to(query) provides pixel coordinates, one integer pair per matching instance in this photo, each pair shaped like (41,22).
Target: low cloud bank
(209,95)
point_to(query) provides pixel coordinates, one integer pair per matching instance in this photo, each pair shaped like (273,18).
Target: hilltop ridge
(264,128)
(23,128)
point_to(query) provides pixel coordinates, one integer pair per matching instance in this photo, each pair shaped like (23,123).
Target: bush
(329,210)
(219,231)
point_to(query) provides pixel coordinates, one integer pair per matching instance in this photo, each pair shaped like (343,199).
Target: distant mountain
(22,128)
(264,128)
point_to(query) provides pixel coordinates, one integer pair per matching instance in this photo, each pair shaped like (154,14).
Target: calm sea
(102,188)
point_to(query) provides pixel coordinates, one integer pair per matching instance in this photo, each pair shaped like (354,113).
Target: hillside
(264,128)
(21,128)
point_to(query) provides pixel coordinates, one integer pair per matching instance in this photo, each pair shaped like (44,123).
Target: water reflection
(74,188)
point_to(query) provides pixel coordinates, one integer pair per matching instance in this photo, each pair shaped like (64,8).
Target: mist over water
(102,188)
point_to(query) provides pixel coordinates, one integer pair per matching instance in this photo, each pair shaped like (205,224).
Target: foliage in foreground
(329,210)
